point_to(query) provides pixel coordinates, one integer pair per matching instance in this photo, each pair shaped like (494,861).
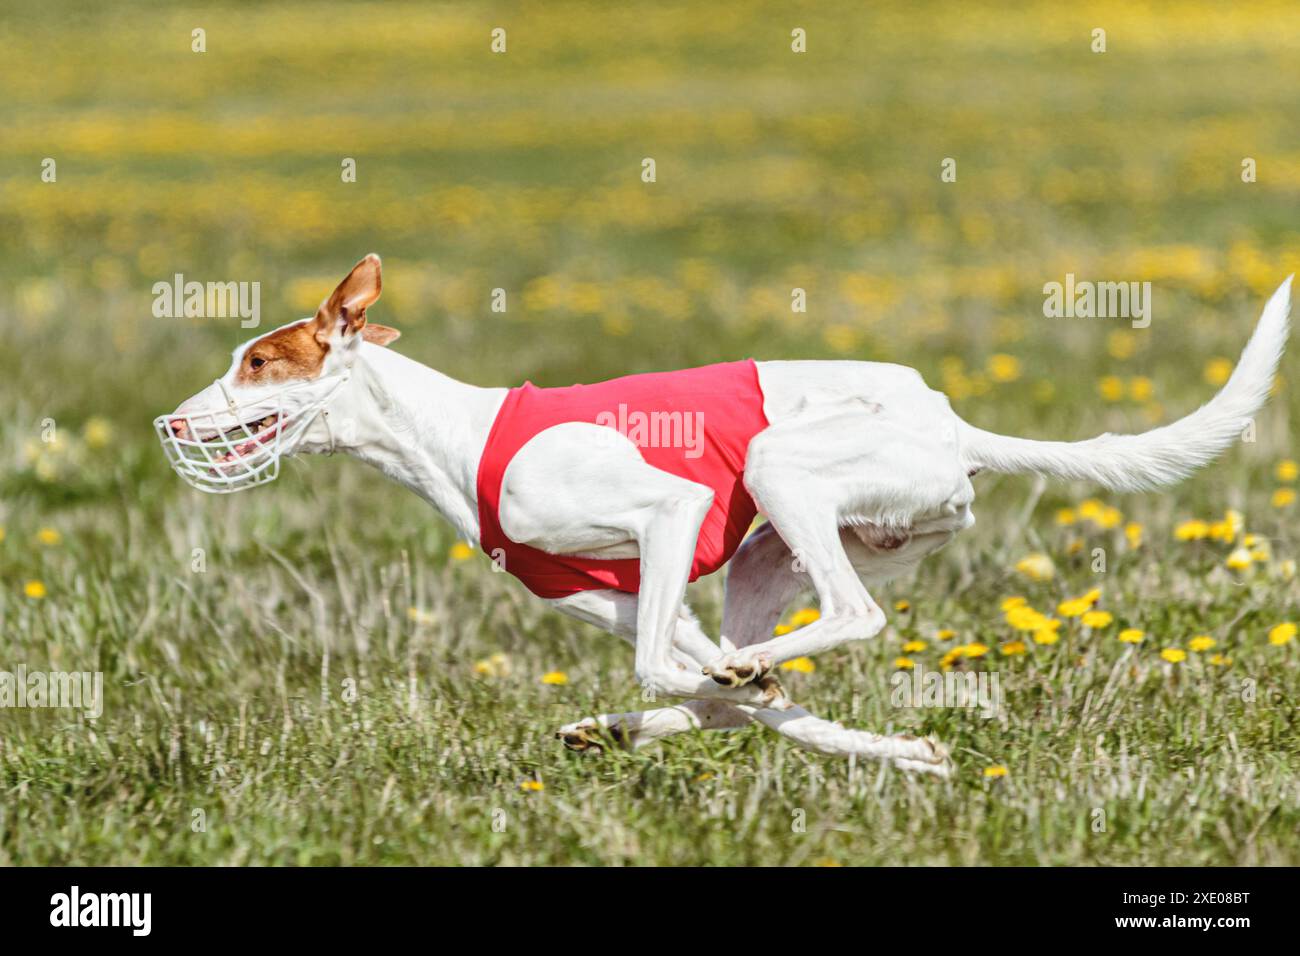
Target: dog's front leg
(616,612)
(666,537)
(582,489)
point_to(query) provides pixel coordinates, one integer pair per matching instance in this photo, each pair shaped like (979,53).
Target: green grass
(227,694)
(228,689)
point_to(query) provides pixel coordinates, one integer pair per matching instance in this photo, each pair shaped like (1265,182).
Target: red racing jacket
(695,423)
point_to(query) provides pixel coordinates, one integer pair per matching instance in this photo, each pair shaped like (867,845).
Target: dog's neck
(419,427)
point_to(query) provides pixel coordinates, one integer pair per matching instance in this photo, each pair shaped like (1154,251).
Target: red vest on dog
(708,414)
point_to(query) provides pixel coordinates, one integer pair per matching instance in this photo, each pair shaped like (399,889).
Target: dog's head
(277,394)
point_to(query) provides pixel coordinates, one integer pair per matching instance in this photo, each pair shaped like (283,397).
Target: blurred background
(522,171)
(775,170)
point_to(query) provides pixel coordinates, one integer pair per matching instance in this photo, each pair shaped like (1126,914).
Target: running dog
(606,499)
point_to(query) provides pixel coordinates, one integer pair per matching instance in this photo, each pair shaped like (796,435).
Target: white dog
(606,500)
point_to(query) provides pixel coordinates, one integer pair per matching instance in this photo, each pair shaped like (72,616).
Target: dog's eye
(256,362)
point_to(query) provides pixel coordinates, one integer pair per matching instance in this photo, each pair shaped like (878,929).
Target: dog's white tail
(1163,455)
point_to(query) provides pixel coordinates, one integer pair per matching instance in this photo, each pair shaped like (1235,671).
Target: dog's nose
(178,427)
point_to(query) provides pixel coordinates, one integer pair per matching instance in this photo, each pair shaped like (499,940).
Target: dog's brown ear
(379,334)
(345,310)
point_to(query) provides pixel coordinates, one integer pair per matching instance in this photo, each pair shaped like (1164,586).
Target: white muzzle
(248,453)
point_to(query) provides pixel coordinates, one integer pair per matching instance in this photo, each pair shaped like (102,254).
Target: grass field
(316,683)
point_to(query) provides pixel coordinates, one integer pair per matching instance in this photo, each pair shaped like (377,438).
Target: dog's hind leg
(848,611)
(816,476)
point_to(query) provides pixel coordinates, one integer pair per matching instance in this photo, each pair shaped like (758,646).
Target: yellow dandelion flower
(1075,607)
(1283,497)
(944,634)
(48,537)
(494,665)
(1219,660)
(1227,529)
(1009,603)
(1003,368)
(904,663)
(1174,655)
(1110,388)
(1121,345)
(800,665)
(1091,509)
(97,432)
(461,551)
(1109,518)
(1066,517)
(555,678)
(1140,388)
(1286,569)
(1027,619)
(1286,470)
(34,589)
(804,616)
(975,650)
(1092,597)
(1036,567)
(1218,371)
(1201,642)
(902,607)
(1131,635)
(996,771)
(1074,547)
(1096,619)
(1046,637)
(532,786)
(1240,559)
(1013,648)
(420,616)
(782,629)
(1282,634)
(1194,530)
(1133,532)
(914,647)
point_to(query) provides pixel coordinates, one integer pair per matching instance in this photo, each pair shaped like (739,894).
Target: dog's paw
(931,757)
(773,692)
(590,734)
(737,670)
